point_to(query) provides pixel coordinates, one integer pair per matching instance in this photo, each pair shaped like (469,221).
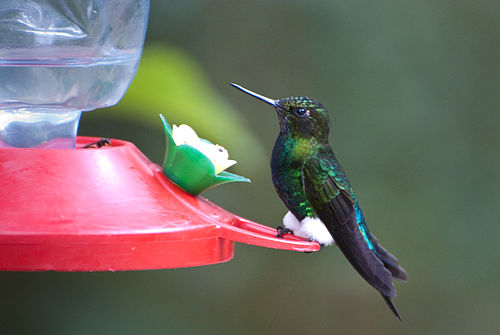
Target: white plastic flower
(219,156)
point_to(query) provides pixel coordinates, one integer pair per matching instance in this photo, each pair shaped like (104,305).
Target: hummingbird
(321,202)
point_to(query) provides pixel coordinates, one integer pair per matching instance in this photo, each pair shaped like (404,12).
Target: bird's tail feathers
(391,305)
(390,262)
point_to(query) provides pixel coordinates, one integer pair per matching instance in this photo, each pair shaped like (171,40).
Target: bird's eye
(301,112)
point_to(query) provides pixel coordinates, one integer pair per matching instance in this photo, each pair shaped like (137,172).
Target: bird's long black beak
(255,95)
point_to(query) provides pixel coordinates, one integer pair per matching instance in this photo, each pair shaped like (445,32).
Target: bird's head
(301,117)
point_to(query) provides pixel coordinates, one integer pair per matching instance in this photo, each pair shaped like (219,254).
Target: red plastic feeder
(112,209)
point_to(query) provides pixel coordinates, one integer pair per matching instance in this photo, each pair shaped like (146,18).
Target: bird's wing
(329,194)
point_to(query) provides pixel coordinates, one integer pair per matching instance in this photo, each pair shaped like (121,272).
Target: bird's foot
(98,144)
(282,231)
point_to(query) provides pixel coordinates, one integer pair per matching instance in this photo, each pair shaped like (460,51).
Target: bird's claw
(282,231)
(98,144)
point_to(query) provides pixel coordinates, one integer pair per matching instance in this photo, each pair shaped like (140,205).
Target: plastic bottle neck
(38,128)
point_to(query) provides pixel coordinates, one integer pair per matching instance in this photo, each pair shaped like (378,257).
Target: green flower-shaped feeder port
(195,164)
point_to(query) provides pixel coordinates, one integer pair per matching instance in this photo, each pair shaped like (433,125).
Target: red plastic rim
(111,209)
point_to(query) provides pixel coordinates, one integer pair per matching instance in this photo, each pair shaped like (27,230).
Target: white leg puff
(309,228)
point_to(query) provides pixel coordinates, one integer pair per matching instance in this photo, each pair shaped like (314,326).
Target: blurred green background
(413,92)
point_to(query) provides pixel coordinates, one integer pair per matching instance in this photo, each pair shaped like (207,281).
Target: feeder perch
(111,209)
